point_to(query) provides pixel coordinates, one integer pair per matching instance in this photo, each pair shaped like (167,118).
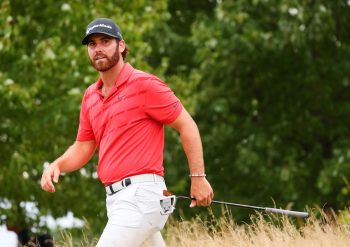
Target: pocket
(122,208)
(148,198)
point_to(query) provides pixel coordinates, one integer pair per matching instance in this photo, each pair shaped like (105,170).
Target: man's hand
(50,175)
(201,191)
(75,157)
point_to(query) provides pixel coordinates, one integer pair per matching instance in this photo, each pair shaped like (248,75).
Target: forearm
(191,141)
(192,146)
(75,157)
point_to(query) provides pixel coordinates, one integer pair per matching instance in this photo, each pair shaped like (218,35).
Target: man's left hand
(201,191)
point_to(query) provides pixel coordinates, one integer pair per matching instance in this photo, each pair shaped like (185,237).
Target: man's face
(103,52)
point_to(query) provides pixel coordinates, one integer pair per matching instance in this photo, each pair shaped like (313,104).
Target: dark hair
(125,52)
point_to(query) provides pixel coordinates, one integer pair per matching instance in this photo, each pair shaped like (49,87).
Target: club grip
(287,212)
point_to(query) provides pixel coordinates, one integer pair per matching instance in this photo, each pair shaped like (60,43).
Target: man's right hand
(75,157)
(50,175)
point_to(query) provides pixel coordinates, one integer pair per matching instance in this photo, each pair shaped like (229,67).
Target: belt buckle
(126,182)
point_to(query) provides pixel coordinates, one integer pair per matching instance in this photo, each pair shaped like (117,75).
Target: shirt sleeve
(85,131)
(161,103)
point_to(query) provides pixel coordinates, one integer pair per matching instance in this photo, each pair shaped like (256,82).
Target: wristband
(197,175)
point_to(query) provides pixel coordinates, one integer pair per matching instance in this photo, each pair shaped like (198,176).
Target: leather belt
(117,186)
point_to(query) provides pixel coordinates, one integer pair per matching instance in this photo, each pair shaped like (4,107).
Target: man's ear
(121,45)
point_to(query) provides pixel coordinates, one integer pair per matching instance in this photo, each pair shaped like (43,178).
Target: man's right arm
(75,157)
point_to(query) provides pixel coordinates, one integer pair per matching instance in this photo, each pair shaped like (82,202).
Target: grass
(273,231)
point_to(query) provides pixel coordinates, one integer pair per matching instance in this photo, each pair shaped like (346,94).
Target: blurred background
(267,81)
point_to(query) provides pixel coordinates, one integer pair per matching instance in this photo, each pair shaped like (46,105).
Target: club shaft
(268,210)
(287,212)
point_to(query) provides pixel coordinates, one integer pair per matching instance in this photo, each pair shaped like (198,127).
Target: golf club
(266,209)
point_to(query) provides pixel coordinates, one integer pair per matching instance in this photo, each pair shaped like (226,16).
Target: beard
(107,63)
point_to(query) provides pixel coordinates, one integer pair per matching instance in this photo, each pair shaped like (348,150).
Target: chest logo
(121,96)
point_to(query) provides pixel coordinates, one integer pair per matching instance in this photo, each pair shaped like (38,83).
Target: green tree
(274,101)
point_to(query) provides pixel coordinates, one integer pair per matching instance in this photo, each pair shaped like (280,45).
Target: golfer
(123,115)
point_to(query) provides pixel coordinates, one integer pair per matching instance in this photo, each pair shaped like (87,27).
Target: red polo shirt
(127,125)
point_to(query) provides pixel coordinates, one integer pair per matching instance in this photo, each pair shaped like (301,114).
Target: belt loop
(111,188)
(154,177)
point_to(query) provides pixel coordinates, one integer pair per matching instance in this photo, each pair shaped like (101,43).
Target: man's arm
(75,157)
(192,145)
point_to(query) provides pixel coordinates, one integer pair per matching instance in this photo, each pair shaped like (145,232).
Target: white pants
(134,216)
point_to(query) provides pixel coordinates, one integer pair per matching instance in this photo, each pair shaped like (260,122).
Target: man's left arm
(192,145)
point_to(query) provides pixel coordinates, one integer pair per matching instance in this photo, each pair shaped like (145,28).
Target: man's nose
(98,47)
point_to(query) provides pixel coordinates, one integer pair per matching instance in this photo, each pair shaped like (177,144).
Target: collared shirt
(128,124)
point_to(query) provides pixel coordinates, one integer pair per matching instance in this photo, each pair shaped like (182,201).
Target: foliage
(274,85)
(224,231)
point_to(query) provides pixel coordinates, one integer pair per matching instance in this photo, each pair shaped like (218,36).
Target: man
(123,115)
